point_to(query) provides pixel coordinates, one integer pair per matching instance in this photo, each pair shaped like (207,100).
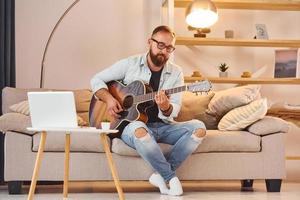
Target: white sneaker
(158,181)
(175,187)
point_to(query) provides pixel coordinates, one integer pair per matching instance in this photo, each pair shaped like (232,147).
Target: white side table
(68,131)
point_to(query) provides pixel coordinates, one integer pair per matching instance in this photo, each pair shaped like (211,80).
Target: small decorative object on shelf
(229,34)
(223,67)
(246,74)
(196,74)
(105,124)
(261,32)
(201,32)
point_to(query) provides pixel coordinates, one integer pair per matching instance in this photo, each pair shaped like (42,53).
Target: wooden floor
(210,190)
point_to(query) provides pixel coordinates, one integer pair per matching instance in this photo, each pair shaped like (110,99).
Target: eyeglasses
(162,46)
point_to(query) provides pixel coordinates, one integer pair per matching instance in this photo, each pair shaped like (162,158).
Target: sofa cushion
(269,125)
(226,100)
(15,122)
(215,141)
(82,100)
(241,117)
(21,107)
(193,106)
(121,148)
(80,142)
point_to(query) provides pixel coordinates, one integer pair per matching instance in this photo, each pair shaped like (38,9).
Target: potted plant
(105,124)
(223,67)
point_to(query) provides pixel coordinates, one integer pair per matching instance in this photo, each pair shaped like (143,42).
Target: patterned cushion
(22,107)
(241,117)
(226,100)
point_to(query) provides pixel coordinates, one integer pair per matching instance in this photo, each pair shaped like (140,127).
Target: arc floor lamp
(49,40)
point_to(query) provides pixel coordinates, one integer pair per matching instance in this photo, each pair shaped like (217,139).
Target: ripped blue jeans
(178,134)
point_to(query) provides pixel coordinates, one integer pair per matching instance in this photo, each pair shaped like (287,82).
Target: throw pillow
(241,117)
(193,105)
(269,125)
(82,100)
(15,122)
(226,100)
(22,107)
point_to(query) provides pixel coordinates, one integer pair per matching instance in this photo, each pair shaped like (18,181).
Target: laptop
(52,109)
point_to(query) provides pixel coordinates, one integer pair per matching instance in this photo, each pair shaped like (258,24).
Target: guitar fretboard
(150,96)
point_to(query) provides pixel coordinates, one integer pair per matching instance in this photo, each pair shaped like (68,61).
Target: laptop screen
(52,109)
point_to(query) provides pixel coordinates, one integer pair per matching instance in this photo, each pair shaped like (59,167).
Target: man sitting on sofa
(154,69)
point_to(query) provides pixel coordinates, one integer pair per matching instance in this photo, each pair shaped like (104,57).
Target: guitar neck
(150,96)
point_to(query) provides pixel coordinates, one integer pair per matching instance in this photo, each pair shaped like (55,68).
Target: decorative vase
(223,74)
(105,125)
(229,34)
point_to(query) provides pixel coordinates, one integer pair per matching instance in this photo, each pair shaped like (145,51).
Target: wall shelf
(237,42)
(288,81)
(289,5)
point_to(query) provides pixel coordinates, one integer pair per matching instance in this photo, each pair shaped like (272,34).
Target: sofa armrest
(15,122)
(268,125)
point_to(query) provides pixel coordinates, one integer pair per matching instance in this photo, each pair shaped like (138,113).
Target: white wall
(92,36)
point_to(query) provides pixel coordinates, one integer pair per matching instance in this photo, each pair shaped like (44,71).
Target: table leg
(67,161)
(112,166)
(37,165)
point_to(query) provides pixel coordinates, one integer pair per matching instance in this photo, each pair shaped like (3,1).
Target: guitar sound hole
(128,101)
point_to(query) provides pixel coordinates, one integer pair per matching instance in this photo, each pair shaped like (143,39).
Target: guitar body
(135,99)
(125,96)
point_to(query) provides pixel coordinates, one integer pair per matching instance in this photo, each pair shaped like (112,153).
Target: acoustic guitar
(135,99)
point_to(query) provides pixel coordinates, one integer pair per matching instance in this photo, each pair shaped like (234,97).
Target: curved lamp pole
(49,40)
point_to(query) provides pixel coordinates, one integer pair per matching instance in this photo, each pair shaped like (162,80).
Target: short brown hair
(165,29)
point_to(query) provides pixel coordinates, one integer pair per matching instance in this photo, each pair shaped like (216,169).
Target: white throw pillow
(22,107)
(241,117)
(226,100)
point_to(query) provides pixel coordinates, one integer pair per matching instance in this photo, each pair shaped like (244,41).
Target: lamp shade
(201,14)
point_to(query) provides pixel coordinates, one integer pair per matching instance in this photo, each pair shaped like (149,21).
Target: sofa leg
(14,187)
(273,185)
(246,185)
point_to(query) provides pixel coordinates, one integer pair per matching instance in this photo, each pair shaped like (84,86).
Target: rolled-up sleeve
(116,71)
(175,100)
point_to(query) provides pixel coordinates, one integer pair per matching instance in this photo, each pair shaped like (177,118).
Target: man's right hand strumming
(113,106)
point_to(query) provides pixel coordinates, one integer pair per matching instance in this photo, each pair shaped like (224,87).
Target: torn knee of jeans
(141,133)
(199,133)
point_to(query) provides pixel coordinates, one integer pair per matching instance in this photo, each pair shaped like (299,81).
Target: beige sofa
(223,155)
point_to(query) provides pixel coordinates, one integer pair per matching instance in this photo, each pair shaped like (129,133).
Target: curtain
(7,45)
(7,59)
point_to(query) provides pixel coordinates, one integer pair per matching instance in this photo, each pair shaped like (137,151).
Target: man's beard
(159,59)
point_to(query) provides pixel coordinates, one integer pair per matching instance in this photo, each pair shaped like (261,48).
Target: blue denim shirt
(136,68)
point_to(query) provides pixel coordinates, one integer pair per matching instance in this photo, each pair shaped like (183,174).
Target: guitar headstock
(201,86)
